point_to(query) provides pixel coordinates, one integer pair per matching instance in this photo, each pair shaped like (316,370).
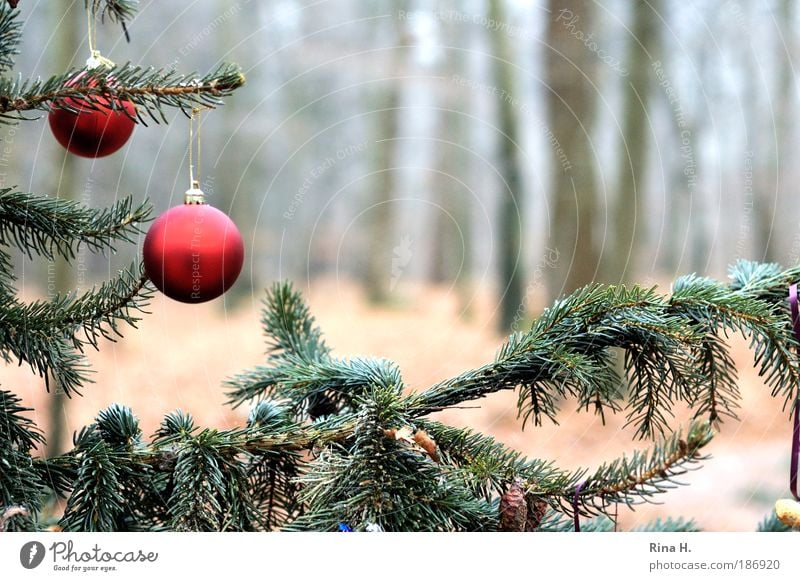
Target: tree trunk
(380,252)
(224,179)
(511,197)
(630,217)
(61,274)
(780,195)
(570,72)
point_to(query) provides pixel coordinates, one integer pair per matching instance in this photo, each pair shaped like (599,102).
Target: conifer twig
(11,512)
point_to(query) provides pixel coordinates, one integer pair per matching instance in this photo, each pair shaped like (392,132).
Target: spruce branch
(289,327)
(10,37)
(772,524)
(488,465)
(118,11)
(379,481)
(150,89)
(567,353)
(303,371)
(724,309)
(377,460)
(638,478)
(58,226)
(669,525)
(556,522)
(96,502)
(17,430)
(316,388)
(12,512)
(272,474)
(672,351)
(20,483)
(51,335)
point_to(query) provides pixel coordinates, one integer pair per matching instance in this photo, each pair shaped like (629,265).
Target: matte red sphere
(92,132)
(193,253)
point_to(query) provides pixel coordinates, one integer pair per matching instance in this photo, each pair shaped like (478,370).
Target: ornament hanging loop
(194,195)
(95,59)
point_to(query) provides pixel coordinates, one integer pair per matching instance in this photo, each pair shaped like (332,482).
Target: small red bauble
(96,130)
(193,253)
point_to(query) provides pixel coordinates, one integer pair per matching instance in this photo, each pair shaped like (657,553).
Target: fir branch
(10,37)
(638,478)
(316,387)
(211,491)
(106,468)
(772,524)
(566,353)
(289,327)
(486,464)
(7,290)
(16,430)
(272,474)
(556,522)
(11,512)
(96,502)
(669,525)
(51,335)
(737,309)
(20,483)
(151,90)
(115,10)
(302,370)
(378,481)
(50,226)
(672,351)
(364,473)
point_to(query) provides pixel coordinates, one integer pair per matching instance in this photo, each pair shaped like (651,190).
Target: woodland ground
(180,355)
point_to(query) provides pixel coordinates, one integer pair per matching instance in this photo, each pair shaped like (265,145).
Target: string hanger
(95,59)
(194,195)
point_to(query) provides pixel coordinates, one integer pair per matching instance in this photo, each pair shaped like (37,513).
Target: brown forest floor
(180,355)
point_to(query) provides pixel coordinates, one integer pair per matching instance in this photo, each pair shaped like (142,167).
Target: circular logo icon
(31,554)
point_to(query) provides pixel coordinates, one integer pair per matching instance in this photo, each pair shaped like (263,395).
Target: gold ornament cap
(194,195)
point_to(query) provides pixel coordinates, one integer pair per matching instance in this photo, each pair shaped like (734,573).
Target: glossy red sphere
(92,132)
(193,253)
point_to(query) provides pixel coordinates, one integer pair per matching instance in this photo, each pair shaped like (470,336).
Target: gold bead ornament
(788,512)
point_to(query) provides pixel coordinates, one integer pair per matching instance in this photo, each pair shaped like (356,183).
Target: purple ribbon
(793,303)
(575,501)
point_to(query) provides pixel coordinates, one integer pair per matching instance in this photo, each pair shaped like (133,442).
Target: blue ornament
(343,528)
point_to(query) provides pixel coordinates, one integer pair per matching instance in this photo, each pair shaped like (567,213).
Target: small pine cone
(537,508)
(513,508)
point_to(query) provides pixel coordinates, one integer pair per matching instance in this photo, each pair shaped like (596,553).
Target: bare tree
(570,72)
(510,219)
(629,231)
(773,192)
(378,277)
(67,27)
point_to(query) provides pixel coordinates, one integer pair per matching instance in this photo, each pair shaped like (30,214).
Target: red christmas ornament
(95,130)
(193,253)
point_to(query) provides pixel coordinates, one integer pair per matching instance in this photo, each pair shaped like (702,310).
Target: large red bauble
(95,130)
(193,253)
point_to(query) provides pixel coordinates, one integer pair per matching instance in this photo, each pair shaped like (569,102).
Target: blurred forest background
(433,174)
(522,148)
